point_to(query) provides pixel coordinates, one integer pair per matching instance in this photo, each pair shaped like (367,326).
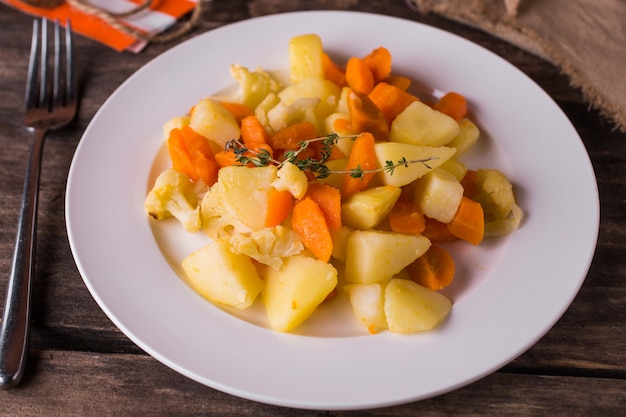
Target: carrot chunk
(291,136)
(239,110)
(333,72)
(363,157)
(469,222)
(278,207)
(379,63)
(359,77)
(437,231)
(309,223)
(407,218)
(191,154)
(453,104)
(328,198)
(390,100)
(253,132)
(435,269)
(365,116)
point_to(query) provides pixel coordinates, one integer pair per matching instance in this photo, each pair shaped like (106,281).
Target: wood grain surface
(80,364)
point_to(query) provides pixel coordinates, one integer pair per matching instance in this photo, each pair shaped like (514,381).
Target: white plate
(508,293)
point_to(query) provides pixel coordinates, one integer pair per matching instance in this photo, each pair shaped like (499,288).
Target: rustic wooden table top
(80,364)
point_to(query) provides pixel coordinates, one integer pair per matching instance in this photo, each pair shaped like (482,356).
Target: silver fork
(51,103)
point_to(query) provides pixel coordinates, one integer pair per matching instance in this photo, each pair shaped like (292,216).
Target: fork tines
(43,91)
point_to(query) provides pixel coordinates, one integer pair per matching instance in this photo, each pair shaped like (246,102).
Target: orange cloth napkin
(151,21)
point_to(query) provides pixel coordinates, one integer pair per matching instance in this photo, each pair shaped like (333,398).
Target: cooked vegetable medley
(340,179)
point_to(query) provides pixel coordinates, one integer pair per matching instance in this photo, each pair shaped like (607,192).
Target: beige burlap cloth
(585,38)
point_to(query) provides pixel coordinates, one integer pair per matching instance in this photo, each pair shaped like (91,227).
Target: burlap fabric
(585,38)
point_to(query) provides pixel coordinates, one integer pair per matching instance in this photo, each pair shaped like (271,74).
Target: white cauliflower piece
(292,179)
(268,246)
(254,86)
(174,195)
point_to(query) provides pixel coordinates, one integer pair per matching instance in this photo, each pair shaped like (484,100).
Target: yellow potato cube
(365,209)
(438,194)
(419,124)
(214,122)
(466,138)
(394,152)
(292,293)
(244,193)
(305,57)
(375,256)
(221,276)
(368,301)
(410,308)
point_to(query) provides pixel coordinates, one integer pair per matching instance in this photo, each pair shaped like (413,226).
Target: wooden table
(80,364)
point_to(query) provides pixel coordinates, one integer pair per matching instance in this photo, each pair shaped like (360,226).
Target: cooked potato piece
(394,152)
(221,276)
(305,57)
(438,195)
(375,256)
(292,293)
(410,308)
(365,209)
(466,138)
(244,193)
(368,302)
(214,122)
(419,124)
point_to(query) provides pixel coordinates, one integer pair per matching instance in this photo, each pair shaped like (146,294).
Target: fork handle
(15,330)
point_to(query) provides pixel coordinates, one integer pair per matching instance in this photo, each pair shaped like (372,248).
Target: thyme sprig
(262,157)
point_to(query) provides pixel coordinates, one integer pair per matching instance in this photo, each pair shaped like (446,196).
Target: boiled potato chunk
(410,308)
(419,124)
(402,175)
(438,194)
(368,301)
(318,88)
(495,193)
(305,57)
(244,193)
(221,276)
(466,138)
(340,242)
(365,209)
(375,256)
(214,122)
(292,293)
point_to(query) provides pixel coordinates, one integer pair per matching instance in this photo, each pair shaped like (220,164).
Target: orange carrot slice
(365,116)
(253,132)
(238,110)
(291,136)
(328,198)
(359,77)
(363,157)
(437,231)
(469,222)
(309,223)
(407,218)
(435,269)
(333,72)
(453,104)
(278,207)
(390,100)
(379,63)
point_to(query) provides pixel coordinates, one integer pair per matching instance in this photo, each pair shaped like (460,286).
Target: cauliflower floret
(495,193)
(254,86)
(174,195)
(268,246)
(292,179)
